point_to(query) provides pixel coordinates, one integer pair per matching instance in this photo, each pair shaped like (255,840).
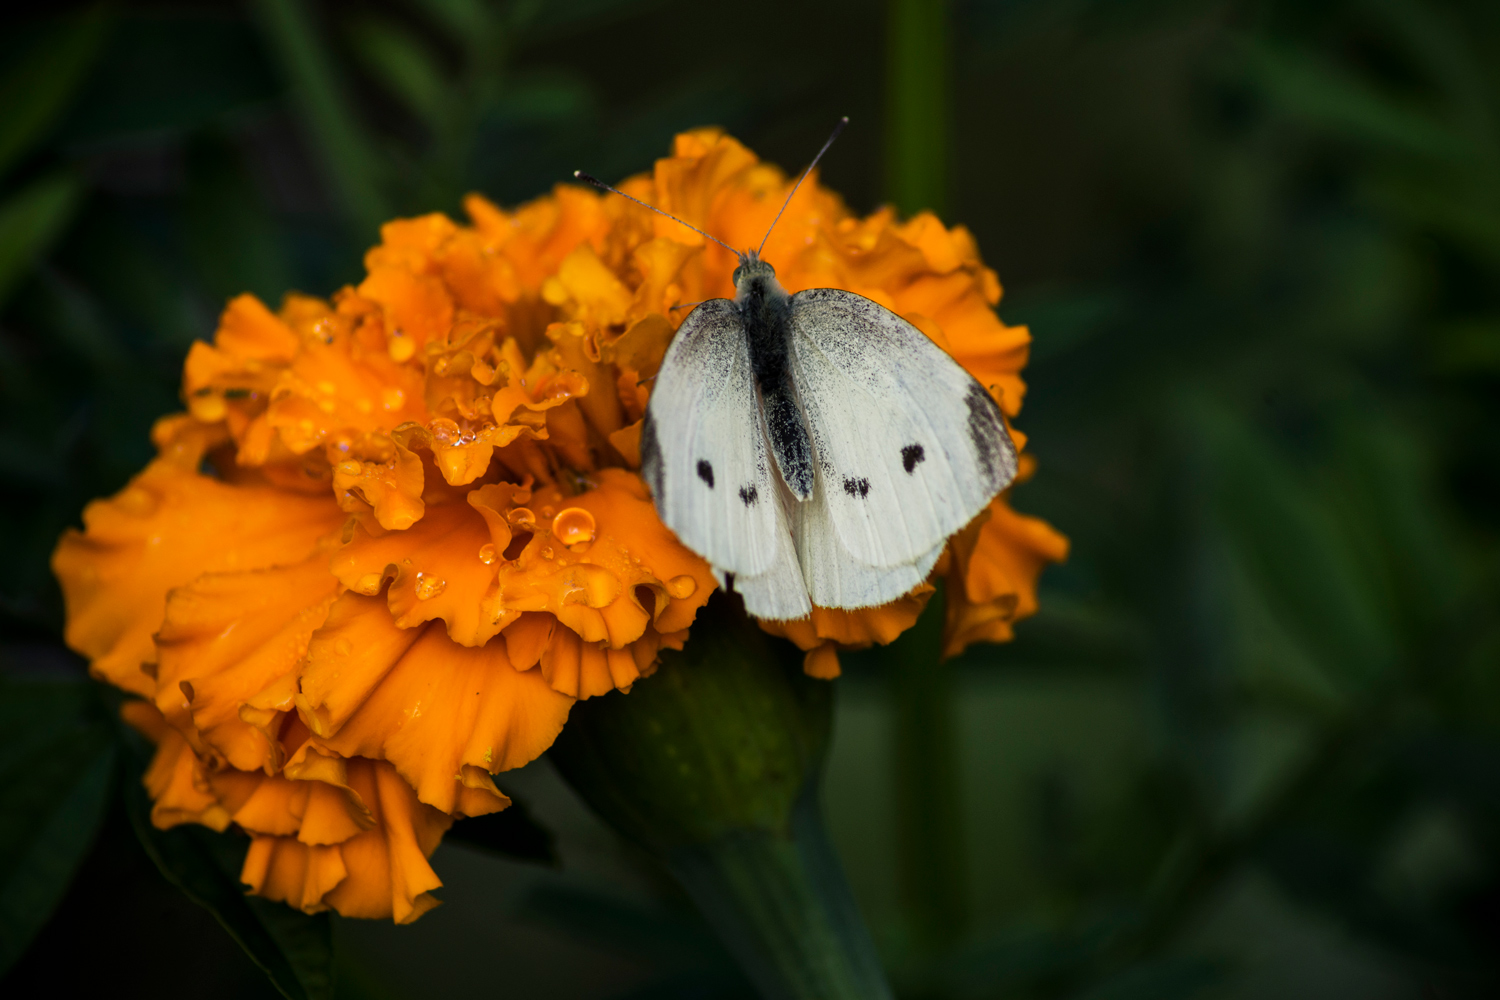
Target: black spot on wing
(706,472)
(911,457)
(857,487)
(749,494)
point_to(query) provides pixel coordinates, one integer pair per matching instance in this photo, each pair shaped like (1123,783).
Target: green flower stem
(932,861)
(918,102)
(712,766)
(933,869)
(781,904)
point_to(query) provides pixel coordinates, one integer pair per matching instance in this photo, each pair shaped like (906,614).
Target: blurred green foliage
(1251,745)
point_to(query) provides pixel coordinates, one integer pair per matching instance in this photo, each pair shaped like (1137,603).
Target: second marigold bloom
(398,533)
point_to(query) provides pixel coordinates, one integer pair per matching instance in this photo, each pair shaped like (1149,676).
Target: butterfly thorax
(765,313)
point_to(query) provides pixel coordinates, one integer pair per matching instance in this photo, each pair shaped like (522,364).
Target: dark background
(1249,746)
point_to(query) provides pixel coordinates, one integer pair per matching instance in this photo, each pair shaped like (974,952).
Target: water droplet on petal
(209,409)
(682,587)
(429,586)
(137,502)
(351,468)
(523,518)
(401,348)
(487,553)
(392,398)
(547,552)
(573,526)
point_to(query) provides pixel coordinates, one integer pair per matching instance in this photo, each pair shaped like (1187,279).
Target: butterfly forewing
(909,446)
(703,453)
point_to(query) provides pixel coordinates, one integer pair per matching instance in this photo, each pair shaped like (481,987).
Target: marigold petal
(347,658)
(225,638)
(388,871)
(250,331)
(994,582)
(286,871)
(437,569)
(441,706)
(164,530)
(176,779)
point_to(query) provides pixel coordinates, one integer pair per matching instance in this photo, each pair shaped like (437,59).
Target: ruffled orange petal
(169,526)
(226,638)
(176,780)
(447,716)
(828,630)
(378,869)
(388,871)
(287,871)
(993,585)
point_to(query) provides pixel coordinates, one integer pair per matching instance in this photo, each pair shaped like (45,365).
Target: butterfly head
(751,267)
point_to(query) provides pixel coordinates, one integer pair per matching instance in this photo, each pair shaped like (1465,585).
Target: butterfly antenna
(836,130)
(590,178)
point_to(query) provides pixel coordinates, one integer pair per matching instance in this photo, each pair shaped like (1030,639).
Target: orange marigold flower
(399,532)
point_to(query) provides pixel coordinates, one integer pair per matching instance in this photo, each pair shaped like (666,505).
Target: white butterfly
(816,448)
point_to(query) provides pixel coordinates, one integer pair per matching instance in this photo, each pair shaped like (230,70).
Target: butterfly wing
(909,446)
(705,457)
(835,579)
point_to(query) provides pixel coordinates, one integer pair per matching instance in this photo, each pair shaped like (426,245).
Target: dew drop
(137,502)
(547,552)
(392,398)
(401,347)
(573,526)
(548,511)
(487,553)
(209,409)
(351,468)
(429,587)
(682,587)
(522,518)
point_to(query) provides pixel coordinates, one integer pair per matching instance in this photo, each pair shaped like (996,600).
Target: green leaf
(55,766)
(294,949)
(1291,541)
(37,90)
(511,833)
(1319,92)
(336,133)
(1160,979)
(468,22)
(404,67)
(30,221)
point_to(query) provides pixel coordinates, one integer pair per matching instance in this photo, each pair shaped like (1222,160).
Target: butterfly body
(816,448)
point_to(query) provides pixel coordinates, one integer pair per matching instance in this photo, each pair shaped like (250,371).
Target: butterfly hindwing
(704,455)
(909,446)
(834,578)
